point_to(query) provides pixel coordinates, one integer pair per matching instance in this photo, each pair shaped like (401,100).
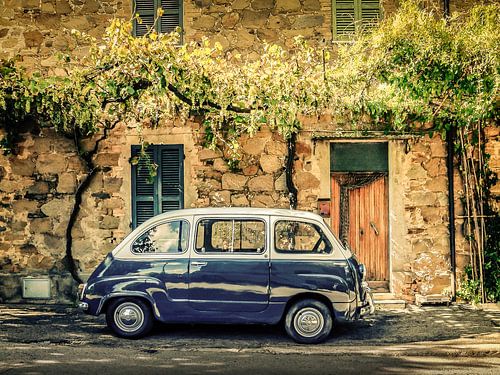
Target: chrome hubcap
(308,322)
(129,317)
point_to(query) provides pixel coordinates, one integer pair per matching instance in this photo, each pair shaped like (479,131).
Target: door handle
(372,224)
(198,264)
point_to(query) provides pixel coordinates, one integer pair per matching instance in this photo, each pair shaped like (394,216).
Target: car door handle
(198,264)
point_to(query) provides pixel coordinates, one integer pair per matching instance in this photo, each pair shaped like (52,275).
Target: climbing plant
(415,71)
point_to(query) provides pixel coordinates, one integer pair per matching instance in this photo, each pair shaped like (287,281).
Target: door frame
(391,188)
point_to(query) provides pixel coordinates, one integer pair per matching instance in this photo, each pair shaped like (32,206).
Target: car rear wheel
(308,321)
(129,317)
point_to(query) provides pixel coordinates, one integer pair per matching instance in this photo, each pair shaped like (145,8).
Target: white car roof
(239,211)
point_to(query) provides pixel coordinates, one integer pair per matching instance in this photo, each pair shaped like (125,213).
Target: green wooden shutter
(172,15)
(350,15)
(166,191)
(344,17)
(143,191)
(171,177)
(171,19)
(146,10)
(370,13)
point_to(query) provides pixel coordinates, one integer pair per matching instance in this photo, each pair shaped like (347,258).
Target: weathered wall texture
(37,185)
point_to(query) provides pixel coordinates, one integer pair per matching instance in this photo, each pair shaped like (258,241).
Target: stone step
(387,301)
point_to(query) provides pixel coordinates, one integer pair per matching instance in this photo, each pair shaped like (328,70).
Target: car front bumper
(368,306)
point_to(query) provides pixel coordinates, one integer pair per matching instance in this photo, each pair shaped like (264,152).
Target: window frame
(157,184)
(358,19)
(300,254)
(225,253)
(156,6)
(161,254)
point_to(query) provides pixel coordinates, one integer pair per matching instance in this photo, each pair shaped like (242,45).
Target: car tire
(129,318)
(308,321)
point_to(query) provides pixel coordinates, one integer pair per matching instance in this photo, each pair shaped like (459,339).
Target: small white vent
(36,287)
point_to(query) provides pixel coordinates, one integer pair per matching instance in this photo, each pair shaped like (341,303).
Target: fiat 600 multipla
(229,265)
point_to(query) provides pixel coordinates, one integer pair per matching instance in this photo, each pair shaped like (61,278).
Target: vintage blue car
(229,265)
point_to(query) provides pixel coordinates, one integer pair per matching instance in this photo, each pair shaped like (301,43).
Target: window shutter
(344,17)
(171,177)
(166,192)
(370,13)
(143,191)
(172,15)
(146,11)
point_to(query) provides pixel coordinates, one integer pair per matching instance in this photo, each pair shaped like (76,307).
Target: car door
(229,265)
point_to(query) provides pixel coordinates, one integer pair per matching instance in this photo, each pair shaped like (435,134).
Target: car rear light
(81,290)
(362,271)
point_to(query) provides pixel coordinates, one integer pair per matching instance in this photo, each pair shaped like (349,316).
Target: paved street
(430,340)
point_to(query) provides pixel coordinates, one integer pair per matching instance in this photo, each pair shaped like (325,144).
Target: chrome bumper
(83,306)
(368,307)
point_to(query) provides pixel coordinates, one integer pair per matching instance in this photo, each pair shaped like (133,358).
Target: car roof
(239,211)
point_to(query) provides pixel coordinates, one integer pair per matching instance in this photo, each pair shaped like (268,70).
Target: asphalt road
(430,340)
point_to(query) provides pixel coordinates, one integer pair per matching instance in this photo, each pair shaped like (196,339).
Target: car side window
(228,235)
(296,237)
(170,237)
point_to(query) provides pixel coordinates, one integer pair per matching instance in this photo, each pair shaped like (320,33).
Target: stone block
(23,206)
(270,163)
(239,200)
(106,159)
(240,4)
(204,22)
(305,21)
(40,225)
(109,222)
(207,154)
(311,5)
(220,198)
(254,19)
(39,188)
(22,167)
(262,4)
(261,183)
(112,184)
(262,200)
(230,20)
(250,170)
(438,148)
(232,181)
(286,6)
(66,183)
(11,186)
(303,149)
(280,183)
(220,165)
(439,183)
(51,163)
(33,38)
(276,148)
(58,208)
(254,146)
(421,198)
(63,7)
(416,172)
(305,180)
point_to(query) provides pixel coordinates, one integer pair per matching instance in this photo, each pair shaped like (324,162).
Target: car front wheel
(129,317)
(308,322)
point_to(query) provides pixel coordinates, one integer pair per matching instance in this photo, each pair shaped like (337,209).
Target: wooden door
(368,225)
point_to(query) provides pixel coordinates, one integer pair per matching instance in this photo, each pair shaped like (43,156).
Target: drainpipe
(450,142)
(446,6)
(292,190)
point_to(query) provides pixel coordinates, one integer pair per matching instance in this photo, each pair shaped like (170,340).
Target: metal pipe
(446,6)
(292,190)
(450,142)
